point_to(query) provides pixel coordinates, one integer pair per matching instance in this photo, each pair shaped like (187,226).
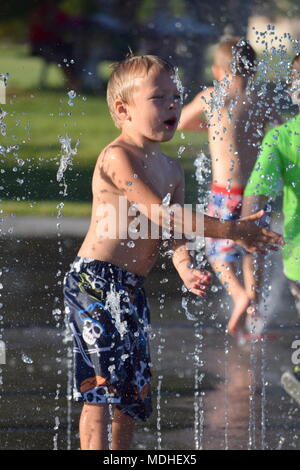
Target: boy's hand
(196,281)
(249,235)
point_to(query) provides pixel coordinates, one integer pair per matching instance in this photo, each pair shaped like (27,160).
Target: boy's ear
(121,110)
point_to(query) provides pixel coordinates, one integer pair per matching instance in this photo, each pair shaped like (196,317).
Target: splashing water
(66,159)
(178,83)
(3,151)
(160,348)
(26,359)
(219,96)
(2,124)
(198,394)
(265,294)
(72,96)
(202,174)
(113,300)
(166,200)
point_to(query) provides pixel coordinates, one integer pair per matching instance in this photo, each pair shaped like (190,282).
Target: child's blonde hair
(235,55)
(121,83)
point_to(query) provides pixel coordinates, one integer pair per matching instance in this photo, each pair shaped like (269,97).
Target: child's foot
(238,315)
(291,383)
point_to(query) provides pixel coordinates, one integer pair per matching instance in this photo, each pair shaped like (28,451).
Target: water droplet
(166,200)
(26,359)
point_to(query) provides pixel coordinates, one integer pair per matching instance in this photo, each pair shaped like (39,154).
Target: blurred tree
(273,8)
(230,17)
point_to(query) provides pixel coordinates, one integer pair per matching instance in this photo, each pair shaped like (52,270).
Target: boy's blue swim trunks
(108,314)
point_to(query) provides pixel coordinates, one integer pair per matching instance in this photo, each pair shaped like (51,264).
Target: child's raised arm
(126,172)
(190,114)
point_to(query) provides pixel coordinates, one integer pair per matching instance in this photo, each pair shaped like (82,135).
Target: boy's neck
(148,147)
(238,83)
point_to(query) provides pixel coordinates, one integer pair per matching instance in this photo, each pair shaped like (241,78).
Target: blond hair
(235,55)
(121,83)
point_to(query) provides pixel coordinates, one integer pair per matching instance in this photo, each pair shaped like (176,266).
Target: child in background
(106,305)
(236,118)
(278,164)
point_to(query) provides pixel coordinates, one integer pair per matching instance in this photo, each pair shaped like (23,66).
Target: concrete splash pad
(242,405)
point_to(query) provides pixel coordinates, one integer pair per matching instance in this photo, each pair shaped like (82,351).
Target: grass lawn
(34,123)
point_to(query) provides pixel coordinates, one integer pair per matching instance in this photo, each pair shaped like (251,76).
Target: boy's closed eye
(157,97)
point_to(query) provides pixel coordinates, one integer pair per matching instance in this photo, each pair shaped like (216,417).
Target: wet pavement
(208,393)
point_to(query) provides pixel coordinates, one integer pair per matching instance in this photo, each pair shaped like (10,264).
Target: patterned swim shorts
(108,314)
(224,205)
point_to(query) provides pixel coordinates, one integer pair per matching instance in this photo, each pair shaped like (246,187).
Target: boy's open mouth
(170,123)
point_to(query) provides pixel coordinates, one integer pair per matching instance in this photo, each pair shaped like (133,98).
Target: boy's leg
(253,271)
(122,431)
(228,278)
(93,427)
(249,277)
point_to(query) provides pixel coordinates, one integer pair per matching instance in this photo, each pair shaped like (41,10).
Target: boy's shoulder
(121,157)
(116,152)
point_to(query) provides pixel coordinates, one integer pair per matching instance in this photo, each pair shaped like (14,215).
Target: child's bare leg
(122,431)
(93,427)
(238,293)
(253,278)
(250,280)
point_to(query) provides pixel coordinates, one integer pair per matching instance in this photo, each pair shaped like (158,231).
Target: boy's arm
(197,281)
(190,114)
(252,204)
(181,255)
(126,172)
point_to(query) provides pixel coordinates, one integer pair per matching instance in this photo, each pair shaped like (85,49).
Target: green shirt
(279,165)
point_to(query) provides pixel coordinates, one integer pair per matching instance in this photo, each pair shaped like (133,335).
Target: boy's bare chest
(162,177)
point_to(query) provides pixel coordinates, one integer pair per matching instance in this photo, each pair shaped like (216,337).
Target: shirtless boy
(236,120)
(106,306)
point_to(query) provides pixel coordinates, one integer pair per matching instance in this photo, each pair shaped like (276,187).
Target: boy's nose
(174,104)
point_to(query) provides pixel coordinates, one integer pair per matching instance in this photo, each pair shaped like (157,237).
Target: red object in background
(47,24)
